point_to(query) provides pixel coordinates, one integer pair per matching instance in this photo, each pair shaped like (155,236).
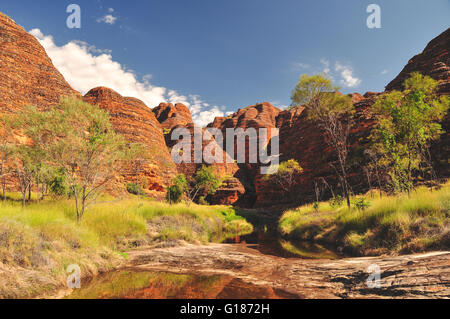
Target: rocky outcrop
(229,193)
(170,116)
(261,115)
(411,276)
(132,118)
(434,61)
(257,116)
(27,74)
(302,140)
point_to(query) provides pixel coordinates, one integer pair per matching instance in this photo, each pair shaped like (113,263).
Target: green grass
(45,238)
(391,224)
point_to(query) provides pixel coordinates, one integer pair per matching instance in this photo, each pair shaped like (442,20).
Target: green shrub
(202,201)
(58,186)
(388,224)
(361,204)
(316,206)
(135,189)
(177,189)
(336,201)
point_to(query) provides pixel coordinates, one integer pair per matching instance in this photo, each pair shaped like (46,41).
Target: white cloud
(326,66)
(86,67)
(300,66)
(347,77)
(384,72)
(108,19)
(341,72)
(111,10)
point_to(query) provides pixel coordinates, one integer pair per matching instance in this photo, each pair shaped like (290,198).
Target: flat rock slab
(409,276)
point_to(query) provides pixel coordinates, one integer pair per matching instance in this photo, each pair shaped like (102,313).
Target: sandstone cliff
(301,140)
(261,115)
(179,116)
(27,74)
(170,116)
(28,77)
(132,118)
(434,61)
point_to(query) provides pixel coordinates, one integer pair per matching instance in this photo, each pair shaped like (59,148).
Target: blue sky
(220,55)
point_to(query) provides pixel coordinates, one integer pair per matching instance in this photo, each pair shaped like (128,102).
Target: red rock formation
(256,116)
(262,115)
(179,116)
(170,116)
(434,61)
(302,140)
(230,192)
(132,118)
(27,74)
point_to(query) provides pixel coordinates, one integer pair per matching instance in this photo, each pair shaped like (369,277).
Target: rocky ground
(410,276)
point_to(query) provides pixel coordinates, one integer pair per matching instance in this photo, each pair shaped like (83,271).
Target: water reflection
(270,243)
(134,284)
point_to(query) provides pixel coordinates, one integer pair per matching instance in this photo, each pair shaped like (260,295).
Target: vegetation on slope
(391,224)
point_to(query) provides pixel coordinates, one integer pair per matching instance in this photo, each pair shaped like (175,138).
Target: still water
(135,284)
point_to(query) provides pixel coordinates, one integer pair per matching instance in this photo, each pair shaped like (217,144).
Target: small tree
(178,188)
(23,169)
(6,151)
(285,176)
(82,143)
(32,123)
(406,124)
(332,112)
(205,181)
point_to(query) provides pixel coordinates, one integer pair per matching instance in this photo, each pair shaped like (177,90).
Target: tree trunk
(3,180)
(4,188)
(37,190)
(83,202)
(75,195)
(24,194)
(378,179)
(344,180)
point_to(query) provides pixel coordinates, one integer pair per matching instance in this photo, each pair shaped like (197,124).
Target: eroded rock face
(27,74)
(172,117)
(261,115)
(302,140)
(132,118)
(256,116)
(434,61)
